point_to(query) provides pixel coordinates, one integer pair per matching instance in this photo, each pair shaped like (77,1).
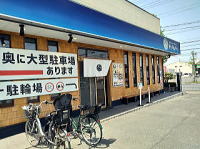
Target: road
(171,124)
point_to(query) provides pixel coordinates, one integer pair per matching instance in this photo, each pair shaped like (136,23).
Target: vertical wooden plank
(144,70)
(155,62)
(138,66)
(17,41)
(42,44)
(130,69)
(150,70)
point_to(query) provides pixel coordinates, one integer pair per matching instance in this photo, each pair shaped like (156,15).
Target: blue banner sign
(69,15)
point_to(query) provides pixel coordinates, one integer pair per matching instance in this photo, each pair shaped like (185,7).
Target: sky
(176,12)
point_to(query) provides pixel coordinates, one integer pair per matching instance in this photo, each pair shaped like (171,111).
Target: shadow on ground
(120,108)
(105,143)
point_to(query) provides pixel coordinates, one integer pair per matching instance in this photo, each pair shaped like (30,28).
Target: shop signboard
(118,74)
(28,64)
(140,85)
(198,66)
(20,89)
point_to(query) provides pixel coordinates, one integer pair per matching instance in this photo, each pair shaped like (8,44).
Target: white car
(186,75)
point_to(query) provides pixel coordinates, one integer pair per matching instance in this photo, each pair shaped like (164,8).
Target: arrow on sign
(72,84)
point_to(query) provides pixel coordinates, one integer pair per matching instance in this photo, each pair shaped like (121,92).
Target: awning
(66,15)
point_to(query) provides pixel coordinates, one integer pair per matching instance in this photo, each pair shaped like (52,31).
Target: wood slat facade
(14,114)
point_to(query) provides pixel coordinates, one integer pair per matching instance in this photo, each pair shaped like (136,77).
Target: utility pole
(193,59)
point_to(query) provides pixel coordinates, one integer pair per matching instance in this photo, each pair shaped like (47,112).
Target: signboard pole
(149,94)
(140,88)
(140,97)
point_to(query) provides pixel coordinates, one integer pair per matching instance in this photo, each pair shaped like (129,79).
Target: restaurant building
(96,50)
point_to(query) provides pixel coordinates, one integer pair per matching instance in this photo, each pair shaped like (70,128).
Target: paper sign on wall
(118,74)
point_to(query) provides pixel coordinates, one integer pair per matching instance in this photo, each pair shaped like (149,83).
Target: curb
(138,108)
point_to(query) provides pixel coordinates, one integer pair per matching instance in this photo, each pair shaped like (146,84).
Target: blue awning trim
(69,15)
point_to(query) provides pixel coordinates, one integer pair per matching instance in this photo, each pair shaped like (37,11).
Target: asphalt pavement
(171,124)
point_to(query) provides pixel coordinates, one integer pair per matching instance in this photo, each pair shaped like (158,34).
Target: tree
(193,60)
(168,76)
(162,32)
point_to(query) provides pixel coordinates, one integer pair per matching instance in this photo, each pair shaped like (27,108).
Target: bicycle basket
(29,111)
(91,110)
(27,114)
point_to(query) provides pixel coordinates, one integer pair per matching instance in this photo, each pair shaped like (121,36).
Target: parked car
(187,75)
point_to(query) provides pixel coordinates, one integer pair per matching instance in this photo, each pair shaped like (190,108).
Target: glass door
(100,91)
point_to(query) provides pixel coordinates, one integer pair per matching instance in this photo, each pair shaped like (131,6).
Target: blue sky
(173,12)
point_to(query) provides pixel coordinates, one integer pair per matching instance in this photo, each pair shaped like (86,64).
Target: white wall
(183,66)
(125,11)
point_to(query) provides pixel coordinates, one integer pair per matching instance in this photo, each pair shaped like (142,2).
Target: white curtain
(96,68)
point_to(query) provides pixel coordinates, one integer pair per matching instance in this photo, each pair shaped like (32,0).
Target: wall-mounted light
(168,56)
(21,30)
(70,38)
(3,42)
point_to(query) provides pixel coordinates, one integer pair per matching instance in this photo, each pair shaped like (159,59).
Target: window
(92,53)
(33,99)
(6,103)
(141,70)
(5,42)
(153,69)
(82,52)
(126,69)
(134,69)
(158,69)
(97,54)
(53,46)
(147,70)
(30,43)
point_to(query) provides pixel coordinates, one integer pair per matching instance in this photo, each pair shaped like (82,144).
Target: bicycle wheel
(51,136)
(91,131)
(56,137)
(32,132)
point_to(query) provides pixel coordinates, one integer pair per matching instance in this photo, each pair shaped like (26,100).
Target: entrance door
(92,90)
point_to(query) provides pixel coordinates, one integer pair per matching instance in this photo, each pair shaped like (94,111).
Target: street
(171,124)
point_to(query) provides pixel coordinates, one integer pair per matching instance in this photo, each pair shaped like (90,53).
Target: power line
(151,3)
(186,23)
(159,3)
(186,42)
(182,31)
(190,27)
(194,5)
(191,45)
(190,49)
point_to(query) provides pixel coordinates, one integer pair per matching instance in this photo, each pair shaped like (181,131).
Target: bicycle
(87,126)
(49,134)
